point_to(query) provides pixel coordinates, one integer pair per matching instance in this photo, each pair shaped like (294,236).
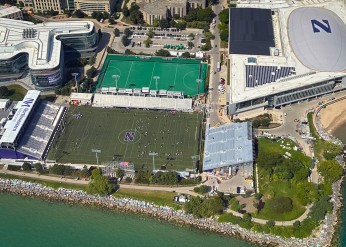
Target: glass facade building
(14,68)
(75,43)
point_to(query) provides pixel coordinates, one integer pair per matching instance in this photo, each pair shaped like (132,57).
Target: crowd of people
(165,212)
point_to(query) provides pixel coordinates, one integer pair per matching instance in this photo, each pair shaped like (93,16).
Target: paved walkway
(181,190)
(277,223)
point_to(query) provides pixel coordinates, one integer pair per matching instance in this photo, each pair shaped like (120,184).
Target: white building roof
(228,145)
(3,103)
(7,10)
(13,126)
(303,75)
(318,38)
(43,48)
(81,96)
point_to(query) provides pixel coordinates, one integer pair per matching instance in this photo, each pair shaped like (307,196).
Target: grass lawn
(280,188)
(268,145)
(17,92)
(51,184)
(128,135)
(156,197)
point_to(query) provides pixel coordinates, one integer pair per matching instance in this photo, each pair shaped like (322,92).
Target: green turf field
(174,137)
(137,72)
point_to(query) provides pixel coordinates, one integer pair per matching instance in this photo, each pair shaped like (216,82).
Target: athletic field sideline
(137,72)
(128,135)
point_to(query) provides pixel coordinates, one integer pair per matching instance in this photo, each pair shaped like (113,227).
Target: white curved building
(40,49)
(304,58)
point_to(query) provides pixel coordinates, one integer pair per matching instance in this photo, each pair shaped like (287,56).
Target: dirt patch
(249,203)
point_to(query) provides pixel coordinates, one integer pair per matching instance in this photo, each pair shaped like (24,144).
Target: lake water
(32,222)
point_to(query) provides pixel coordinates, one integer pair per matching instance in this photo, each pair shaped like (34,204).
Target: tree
(147,42)
(163,53)
(202,189)
(191,36)
(116,32)
(100,184)
(320,208)
(83,61)
(247,217)
(4,92)
(206,14)
(91,73)
(26,166)
(129,52)
(80,14)
(128,180)
(126,11)
(125,41)
(127,32)
(270,223)
(163,23)
(150,33)
(330,170)
(111,20)
(258,196)
(119,173)
(190,44)
(224,35)
(224,16)
(180,25)
(296,224)
(92,60)
(185,54)
(85,173)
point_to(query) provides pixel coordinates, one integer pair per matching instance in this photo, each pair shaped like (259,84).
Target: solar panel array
(259,75)
(29,33)
(39,131)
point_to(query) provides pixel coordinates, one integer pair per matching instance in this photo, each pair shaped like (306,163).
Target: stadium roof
(303,75)
(38,40)
(318,38)
(251,31)
(228,145)
(14,126)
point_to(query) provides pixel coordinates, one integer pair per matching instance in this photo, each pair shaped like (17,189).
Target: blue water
(31,222)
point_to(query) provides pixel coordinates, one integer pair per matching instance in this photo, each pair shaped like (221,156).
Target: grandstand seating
(106,100)
(303,94)
(39,131)
(259,75)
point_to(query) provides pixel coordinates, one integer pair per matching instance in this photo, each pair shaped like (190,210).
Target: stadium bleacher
(259,75)
(126,101)
(40,130)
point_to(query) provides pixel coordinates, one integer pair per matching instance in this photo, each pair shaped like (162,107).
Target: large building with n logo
(29,128)
(285,55)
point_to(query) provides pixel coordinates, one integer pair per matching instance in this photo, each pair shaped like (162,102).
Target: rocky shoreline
(324,233)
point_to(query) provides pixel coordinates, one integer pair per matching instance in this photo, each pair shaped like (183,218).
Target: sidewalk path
(181,190)
(277,223)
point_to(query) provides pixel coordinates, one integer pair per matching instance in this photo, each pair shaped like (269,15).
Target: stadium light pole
(75,79)
(96,151)
(153,154)
(116,78)
(194,159)
(156,78)
(199,83)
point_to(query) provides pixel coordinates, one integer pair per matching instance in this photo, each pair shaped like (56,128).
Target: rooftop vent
(29,33)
